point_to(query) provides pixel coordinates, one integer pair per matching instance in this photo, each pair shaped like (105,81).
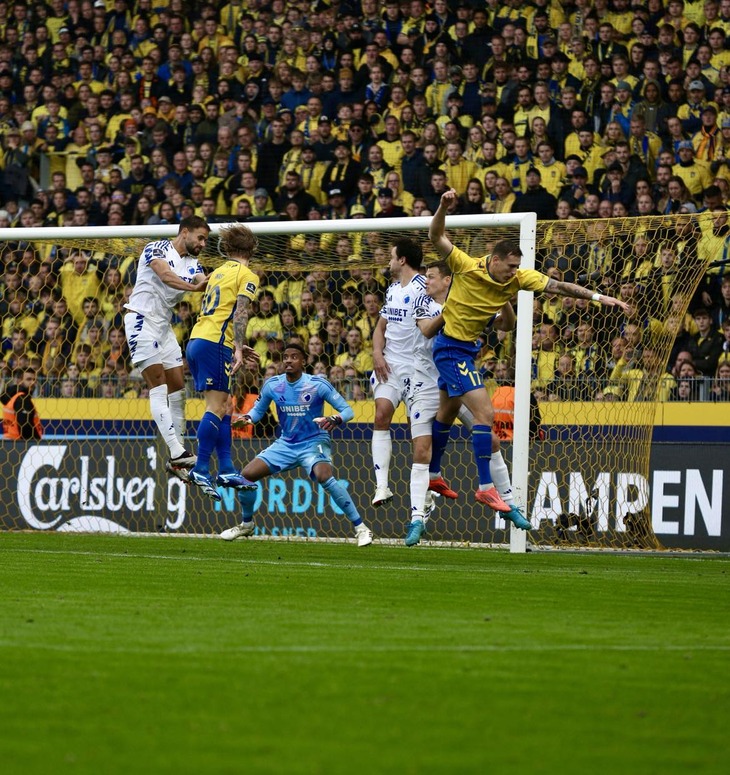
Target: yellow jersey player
(479,289)
(215,352)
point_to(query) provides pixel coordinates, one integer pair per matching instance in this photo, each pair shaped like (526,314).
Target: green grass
(183,655)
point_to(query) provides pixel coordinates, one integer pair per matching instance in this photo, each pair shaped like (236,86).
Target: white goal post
(525,222)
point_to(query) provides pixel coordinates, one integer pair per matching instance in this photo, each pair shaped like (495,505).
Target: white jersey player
(394,340)
(424,404)
(167,270)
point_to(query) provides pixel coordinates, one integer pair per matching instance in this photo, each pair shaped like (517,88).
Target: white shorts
(398,386)
(423,403)
(151,341)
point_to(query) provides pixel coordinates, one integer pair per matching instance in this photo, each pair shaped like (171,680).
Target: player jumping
(424,404)
(479,289)
(167,269)
(394,341)
(216,350)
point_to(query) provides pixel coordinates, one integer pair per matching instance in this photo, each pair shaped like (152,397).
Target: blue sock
(247,499)
(342,499)
(481,440)
(440,434)
(223,447)
(207,440)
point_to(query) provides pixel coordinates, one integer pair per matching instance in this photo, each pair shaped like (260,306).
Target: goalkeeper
(479,289)
(304,440)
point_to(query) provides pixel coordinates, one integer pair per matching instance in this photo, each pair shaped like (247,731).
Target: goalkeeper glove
(328,423)
(241,421)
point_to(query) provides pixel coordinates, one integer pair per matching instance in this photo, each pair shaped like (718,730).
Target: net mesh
(598,376)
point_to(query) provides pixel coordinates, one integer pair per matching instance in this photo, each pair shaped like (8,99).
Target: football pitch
(132,654)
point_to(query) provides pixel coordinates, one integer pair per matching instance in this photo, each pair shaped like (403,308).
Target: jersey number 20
(211,300)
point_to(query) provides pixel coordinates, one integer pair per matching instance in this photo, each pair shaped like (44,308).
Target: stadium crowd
(145,111)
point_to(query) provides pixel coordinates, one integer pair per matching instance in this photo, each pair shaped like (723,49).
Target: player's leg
(477,401)
(143,339)
(423,405)
(254,471)
(387,398)
(459,377)
(175,381)
(421,433)
(500,474)
(319,465)
(206,363)
(440,432)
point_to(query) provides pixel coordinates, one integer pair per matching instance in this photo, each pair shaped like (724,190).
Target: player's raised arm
(579,292)
(164,272)
(438,224)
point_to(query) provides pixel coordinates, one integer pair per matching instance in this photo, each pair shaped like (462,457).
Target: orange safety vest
(11,428)
(503,403)
(241,407)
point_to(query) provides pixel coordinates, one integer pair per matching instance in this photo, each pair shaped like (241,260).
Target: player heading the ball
(479,289)
(217,349)
(166,271)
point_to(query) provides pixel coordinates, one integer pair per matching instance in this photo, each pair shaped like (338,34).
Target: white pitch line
(344,565)
(537,648)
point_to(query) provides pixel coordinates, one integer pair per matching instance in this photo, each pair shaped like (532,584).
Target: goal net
(596,377)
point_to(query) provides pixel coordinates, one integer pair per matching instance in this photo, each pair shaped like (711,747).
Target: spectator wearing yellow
(690,113)
(265,324)
(355,355)
(503,198)
(552,172)
(78,281)
(458,170)
(708,139)
(696,175)
(489,161)
(520,164)
(390,143)
(645,145)
(262,206)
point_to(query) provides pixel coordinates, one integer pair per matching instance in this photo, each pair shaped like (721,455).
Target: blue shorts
(283,455)
(210,365)
(455,361)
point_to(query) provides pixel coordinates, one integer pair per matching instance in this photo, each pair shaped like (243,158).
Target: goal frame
(526,222)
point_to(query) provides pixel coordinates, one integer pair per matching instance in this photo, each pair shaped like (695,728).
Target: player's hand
(241,421)
(448,198)
(381,368)
(610,301)
(328,423)
(242,355)
(201,285)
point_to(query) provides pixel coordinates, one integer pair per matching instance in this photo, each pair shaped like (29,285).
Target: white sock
(419,487)
(382,446)
(176,401)
(163,419)
(500,476)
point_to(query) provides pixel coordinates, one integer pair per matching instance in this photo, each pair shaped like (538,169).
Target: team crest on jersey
(407,299)
(306,398)
(191,270)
